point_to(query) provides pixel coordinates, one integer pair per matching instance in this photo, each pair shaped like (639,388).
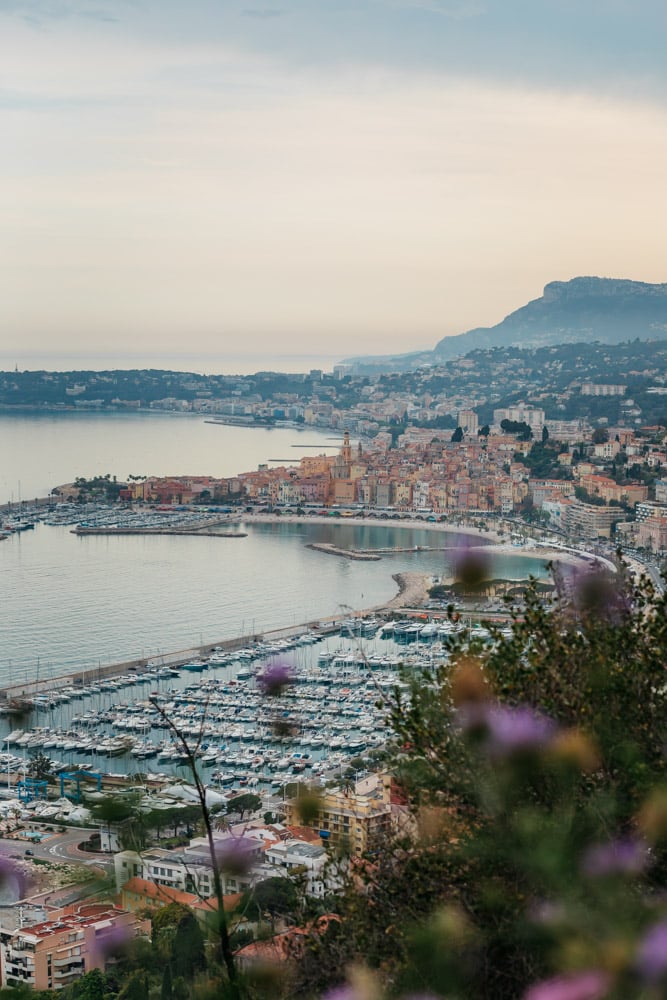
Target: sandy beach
(413,587)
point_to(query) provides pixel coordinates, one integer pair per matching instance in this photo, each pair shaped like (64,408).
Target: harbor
(330,716)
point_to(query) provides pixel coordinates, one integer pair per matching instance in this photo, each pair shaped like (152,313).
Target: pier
(332,550)
(191,532)
(78,678)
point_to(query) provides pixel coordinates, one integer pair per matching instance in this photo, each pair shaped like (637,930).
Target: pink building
(74,940)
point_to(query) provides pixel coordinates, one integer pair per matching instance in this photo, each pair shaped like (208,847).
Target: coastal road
(59,848)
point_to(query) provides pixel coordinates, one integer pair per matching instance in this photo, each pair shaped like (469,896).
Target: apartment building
(59,950)
(357,821)
(588,521)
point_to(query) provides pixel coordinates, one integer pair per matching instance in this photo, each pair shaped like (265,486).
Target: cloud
(39,12)
(262,13)
(457,9)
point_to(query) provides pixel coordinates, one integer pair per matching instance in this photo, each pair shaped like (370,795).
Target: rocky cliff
(584,309)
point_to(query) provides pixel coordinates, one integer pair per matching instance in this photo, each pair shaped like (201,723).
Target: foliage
(91,986)
(519,427)
(542,460)
(188,947)
(248,802)
(39,766)
(538,835)
(98,488)
(135,988)
(275,896)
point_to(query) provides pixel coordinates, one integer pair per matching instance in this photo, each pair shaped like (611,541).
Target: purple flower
(506,731)
(471,565)
(276,677)
(589,985)
(112,942)
(341,993)
(598,592)
(12,878)
(235,855)
(618,857)
(652,953)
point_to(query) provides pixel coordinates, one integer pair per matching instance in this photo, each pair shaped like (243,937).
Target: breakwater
(191,532)
(332,550)
(174,659)
(411,592)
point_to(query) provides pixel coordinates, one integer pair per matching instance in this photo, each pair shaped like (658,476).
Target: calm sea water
(71,603)
(41,450)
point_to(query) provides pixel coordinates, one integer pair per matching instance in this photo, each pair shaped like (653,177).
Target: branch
(226,953)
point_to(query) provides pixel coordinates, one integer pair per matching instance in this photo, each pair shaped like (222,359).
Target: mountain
(581,310)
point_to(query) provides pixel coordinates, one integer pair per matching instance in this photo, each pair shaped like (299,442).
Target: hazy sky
(355,176)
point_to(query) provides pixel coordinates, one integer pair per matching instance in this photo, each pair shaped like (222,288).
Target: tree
(40,766)
(522,430)
(136,987)
(545,434)
(165,921)
(248,802)
(600,435)
(166,990)
(123,812)
(91,986)
(484,431)
(188,954)
(538,784)
(457,435)
(276,896)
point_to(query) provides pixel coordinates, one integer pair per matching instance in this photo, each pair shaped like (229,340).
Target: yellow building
(359,821)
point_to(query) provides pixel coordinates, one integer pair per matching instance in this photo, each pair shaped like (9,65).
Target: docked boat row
(229,727)
(329,715)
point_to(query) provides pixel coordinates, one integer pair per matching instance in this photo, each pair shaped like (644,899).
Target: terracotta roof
(159,893)
(285,946)
(164,894)
(306,834)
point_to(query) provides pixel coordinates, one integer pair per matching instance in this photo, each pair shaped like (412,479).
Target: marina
(330,716)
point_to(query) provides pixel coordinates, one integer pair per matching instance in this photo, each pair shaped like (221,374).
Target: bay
(71,603)
(41,450)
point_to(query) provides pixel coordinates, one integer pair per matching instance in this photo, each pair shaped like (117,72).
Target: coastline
(494,542)
(410,594)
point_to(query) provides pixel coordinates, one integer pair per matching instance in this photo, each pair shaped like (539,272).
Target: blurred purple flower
(342,993)
(12,878)
(618,857)
(597,591)
(471,565)
(589,985)
(112,942)
(506,730)
(235,855)
(275,678)
(652,953)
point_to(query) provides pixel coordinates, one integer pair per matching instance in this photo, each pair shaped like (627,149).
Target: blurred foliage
(533,861)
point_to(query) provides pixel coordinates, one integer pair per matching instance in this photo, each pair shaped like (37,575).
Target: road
(59,848)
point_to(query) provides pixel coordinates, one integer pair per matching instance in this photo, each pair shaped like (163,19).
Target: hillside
(581,310)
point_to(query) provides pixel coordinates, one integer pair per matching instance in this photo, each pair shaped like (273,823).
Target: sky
(340,177)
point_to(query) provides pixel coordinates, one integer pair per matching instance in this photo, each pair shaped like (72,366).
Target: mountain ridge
(582,309)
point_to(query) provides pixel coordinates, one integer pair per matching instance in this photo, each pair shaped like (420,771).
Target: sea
(73,603)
